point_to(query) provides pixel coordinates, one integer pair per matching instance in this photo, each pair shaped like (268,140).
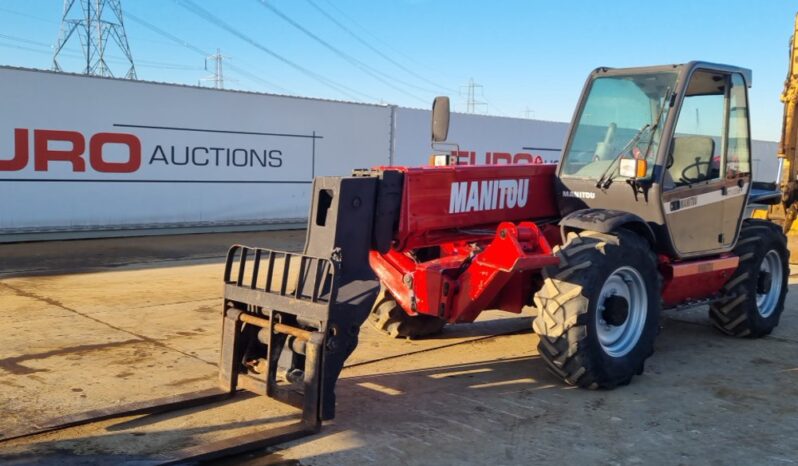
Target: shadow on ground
(76,256)
(704,397)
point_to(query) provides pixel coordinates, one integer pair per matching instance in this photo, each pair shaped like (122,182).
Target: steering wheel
(695,166)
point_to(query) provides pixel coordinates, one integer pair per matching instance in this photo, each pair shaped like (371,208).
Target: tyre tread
(389,318)
(733,313)
(562,308)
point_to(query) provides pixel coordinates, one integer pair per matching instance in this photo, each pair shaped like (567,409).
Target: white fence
(79,153)
(96,156)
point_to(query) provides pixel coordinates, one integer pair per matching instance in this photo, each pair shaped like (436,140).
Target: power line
(27,49)
(211,18)
(151,64)
(167,66)
(376,74)
(255,78)
(26,41)
(163,33)
(374,36)
(25,15)
(47,50)
(475,99)
(140,63)
(374,49)
(492,106)
(204,53)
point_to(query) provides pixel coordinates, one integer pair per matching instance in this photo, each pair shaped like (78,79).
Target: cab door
(737,164)
(703,193)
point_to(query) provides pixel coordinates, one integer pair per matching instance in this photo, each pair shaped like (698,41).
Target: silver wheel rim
(766,302)
(619,340)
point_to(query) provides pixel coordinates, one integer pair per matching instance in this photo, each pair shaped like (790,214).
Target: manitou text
(478,196)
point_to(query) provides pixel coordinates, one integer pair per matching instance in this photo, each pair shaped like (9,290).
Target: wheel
(598,311)
(389,318)
(753,298)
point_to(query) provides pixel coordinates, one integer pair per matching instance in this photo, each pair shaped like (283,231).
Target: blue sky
(531,57)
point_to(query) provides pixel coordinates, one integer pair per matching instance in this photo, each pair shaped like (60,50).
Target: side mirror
(633,168)
(440,119)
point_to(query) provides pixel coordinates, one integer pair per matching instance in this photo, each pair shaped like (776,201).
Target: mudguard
(607,221)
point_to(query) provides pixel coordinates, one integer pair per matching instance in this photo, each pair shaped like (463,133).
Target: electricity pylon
(94,22)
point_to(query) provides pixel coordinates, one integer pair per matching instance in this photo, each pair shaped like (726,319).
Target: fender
(607,221)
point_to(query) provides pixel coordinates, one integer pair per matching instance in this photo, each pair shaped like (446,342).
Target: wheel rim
(766,300)
(619,332)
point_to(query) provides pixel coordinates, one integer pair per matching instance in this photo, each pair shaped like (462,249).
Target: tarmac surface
(97,323)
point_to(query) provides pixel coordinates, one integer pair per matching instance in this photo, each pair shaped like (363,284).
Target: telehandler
(644,212)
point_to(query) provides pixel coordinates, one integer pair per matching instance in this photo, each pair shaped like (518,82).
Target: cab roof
(684,69)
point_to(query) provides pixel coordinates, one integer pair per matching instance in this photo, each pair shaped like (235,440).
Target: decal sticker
(479,196)
(705,198)
(579,194)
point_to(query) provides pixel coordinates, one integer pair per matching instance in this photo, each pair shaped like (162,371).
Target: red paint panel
(694,280)
(439,202)
(457,287)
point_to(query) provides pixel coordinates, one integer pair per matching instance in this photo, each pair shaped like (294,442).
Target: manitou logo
(579,194)
(75,144)
(478,196)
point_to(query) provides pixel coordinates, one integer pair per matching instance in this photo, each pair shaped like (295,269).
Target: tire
(389,318)
(585,338)
(753,298)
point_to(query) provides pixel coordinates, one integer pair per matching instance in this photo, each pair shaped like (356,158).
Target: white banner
(85,153)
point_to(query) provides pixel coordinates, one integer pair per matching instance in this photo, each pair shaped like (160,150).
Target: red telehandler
(644,212)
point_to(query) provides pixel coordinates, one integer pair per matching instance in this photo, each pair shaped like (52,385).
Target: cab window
(738,158)
(695,154)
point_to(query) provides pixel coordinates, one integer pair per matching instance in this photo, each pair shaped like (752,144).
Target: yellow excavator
(784,210)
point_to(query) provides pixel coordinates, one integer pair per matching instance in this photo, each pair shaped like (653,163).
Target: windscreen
(622,116)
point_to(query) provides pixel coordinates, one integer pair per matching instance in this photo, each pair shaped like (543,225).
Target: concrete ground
(91,324)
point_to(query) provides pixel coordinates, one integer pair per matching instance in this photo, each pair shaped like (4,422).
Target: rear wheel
(389,318)
(598,310)
(754,296)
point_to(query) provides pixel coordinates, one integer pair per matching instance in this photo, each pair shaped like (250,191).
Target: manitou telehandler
(644,212)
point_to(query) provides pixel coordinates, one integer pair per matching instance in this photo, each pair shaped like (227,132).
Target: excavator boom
(786,211)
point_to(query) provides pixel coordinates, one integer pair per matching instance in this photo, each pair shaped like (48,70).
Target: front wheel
(598,310)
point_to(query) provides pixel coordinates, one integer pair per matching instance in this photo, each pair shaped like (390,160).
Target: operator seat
(689,151)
